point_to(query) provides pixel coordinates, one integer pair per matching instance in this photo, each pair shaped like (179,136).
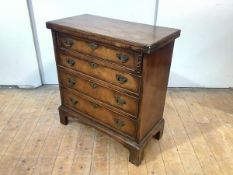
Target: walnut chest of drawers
(113,76)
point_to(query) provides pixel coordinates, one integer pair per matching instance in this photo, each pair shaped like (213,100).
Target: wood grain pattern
(197,137)
(99,92)
(97,111)
(94,69)
(122,57)
(139,37)
(139,71)
(156,68)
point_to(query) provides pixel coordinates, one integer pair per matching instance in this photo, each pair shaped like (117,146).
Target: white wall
(44,10)
(203,55)
(18,63)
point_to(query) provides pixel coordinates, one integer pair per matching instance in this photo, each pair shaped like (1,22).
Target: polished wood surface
(94,69)
(98,50)
(156,69)
(95,110)
(139,37)
(141,74)
(197,138)
(94,89)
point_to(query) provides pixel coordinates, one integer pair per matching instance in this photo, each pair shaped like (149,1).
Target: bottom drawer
(98,112)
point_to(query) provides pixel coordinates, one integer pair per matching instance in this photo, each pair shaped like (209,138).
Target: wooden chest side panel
(156,68)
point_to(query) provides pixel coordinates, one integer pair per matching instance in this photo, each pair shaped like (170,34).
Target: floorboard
(198,137)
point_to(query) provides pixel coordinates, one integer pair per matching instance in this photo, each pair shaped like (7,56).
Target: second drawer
(105,73)
(124,102)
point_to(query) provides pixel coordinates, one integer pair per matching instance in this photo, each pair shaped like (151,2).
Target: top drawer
(127,59)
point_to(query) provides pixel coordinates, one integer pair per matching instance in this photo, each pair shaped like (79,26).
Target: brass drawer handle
(93,85)
(121,79)
(120,101)
(93,65)
(122,57)
(71,82)
(119,123)
(95,105)
(70,61)
(93,46)
(67,42)
(73,101)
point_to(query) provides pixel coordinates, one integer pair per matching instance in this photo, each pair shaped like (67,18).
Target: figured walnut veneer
(113,75)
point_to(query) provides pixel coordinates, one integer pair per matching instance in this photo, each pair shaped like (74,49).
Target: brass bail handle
(119,123)
(74,101)
(119,100)
(71,82)
(93,85)
(121,79)
(93,65)
(122,57)
(67,42)
(93,46)
(70,61)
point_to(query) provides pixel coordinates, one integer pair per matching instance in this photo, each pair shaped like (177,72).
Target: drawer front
(94,49)
(118,78)
(101,114)
(95,90)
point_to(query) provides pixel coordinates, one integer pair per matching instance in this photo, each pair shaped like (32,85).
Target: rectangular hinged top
(138,37)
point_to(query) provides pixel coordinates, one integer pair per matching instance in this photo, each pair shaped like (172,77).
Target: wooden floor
(198,137)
